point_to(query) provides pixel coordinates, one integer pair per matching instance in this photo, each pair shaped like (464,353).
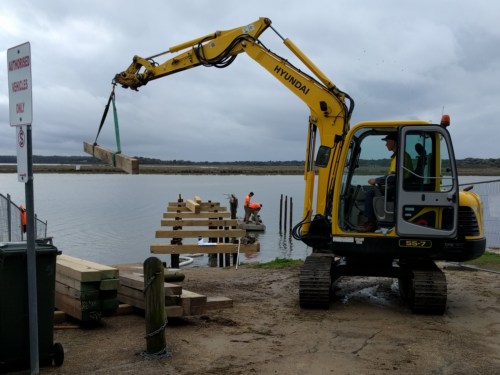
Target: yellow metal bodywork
(329,115)
(472,200)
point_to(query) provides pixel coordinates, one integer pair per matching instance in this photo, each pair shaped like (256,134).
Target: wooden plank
(218,303)
(125,163)
(109,284)
(71,282)
(173,311)
(138,295)
(225,248)
(76,293)
(193,303)
(199,223)
(68,305)
(204,205)
(107,272)
(76,308)
(130,300)
(77,272)
(195,233)
(201,215)
(137,282)
(193,206)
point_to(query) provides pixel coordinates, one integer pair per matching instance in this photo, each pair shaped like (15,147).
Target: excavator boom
(217,49)
(329,113)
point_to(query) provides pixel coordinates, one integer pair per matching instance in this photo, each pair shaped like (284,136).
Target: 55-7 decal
(415,243)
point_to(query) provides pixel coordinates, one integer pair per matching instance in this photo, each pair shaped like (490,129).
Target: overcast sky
(396,59)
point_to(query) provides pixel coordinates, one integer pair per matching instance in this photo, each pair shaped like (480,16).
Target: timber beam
(215,248)
(125,163)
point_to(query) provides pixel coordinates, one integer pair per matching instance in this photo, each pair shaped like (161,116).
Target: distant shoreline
(202,170)
(162,169)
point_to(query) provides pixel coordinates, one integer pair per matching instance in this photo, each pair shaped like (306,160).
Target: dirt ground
(366,330)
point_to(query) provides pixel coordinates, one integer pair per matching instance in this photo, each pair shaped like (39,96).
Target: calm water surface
(112,219)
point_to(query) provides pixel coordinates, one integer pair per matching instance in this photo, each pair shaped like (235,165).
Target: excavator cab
(420,199)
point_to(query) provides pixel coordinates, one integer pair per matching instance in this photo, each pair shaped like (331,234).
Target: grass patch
(278,263)
(489,260)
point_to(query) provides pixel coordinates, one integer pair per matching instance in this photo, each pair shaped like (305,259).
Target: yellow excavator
(396,225)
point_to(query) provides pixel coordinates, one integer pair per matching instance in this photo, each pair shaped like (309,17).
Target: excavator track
(428,291)
(315,282)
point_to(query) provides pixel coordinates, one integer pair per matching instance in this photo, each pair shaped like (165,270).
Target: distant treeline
(39,159)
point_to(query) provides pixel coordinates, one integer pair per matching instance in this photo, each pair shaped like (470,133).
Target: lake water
(112,219)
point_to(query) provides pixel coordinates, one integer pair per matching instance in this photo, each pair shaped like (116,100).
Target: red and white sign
(20,93)
(22,153)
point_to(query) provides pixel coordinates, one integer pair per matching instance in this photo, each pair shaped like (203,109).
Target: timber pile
(179,302)
(85,290)
(204,220)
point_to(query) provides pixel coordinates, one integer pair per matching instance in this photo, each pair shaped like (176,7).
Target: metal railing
(11,228)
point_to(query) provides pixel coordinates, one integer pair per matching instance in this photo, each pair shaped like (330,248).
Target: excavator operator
(391,142)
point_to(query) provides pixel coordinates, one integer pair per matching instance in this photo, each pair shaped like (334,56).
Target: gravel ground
(367,330)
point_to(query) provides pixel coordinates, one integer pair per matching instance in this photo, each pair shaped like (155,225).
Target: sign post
(21,116)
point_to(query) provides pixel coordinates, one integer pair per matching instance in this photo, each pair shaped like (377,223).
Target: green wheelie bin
(14,310)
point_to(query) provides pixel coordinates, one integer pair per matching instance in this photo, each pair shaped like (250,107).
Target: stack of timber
(179,302)
(85,290)
(204,220)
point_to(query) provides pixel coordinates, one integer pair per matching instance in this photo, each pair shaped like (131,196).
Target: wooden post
(233,205)
(286,213)
(291,214)
(175,258)
(213,258)
(281,211)
(154,302)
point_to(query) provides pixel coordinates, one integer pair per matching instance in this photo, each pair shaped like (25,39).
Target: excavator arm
(329,114)
(218,49)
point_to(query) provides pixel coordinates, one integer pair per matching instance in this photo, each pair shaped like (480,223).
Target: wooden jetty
(193,220)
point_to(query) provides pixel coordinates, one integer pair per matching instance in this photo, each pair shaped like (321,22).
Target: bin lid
(19,248)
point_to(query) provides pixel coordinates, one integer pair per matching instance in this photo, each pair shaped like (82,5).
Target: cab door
(427,192)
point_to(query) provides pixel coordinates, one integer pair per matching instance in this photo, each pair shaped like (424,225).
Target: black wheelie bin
(14,310)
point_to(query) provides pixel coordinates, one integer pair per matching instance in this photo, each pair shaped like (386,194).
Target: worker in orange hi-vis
(254,210)
(246,206)
(22,212)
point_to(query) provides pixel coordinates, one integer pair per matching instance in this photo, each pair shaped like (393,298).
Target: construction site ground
(367,330)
